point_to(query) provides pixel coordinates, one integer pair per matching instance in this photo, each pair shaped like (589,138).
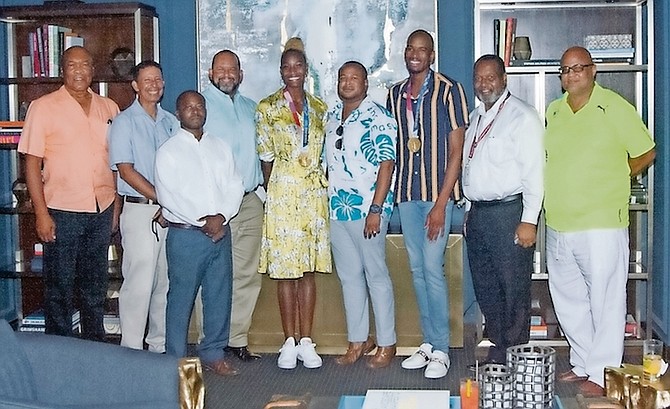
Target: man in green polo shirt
(595,141)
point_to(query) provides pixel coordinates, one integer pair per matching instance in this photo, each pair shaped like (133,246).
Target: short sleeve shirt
(73,146)
(442,109)
(134,138)
(368,138)
(587,177)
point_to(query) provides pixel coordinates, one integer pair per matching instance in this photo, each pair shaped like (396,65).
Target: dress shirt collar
(138,109)
(183,133)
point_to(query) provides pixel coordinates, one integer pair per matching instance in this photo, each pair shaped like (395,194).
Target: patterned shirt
(443,109)
(368,138)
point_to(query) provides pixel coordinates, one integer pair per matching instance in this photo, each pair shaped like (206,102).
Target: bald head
(577,52)
(424,36)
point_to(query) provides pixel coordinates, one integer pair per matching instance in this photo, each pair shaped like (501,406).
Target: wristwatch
(375,209)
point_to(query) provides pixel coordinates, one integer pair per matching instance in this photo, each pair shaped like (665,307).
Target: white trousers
(588,271)
(145,283)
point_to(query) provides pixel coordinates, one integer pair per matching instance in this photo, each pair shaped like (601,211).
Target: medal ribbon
(296,118)
(487,129)
(413,117)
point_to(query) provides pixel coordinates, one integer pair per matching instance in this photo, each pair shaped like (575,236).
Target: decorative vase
(522,50)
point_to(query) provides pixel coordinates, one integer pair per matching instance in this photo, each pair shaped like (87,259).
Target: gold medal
(304,160)
(414,144)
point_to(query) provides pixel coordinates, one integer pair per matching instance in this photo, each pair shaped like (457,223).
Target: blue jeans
(195,261)
(426,260)
(75,266)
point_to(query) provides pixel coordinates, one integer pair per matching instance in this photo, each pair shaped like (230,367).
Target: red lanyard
(486,130)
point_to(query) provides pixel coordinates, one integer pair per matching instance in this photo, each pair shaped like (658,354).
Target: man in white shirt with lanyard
(503,159)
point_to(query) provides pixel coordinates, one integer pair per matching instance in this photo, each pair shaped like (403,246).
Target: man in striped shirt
(432,115)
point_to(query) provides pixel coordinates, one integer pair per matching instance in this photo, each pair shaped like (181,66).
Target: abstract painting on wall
(373,32)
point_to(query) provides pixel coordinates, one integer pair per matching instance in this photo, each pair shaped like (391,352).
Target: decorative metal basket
(533,370)
(495,386)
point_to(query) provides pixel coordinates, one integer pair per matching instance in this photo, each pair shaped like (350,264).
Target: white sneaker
(307,354)
(420,358)
(438,366)
(288,354)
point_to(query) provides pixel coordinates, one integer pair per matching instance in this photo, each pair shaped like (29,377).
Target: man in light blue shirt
(134,137)
(231,117)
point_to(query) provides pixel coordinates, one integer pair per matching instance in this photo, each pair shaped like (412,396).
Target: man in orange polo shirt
(72,190)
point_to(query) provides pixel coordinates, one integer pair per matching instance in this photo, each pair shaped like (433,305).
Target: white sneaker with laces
(307,354)
(420,358)
(288,354)
(438,366)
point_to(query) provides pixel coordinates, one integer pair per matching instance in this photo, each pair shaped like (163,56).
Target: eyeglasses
(577,68)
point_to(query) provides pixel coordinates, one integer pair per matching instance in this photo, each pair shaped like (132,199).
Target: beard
(227,87)
(489,99)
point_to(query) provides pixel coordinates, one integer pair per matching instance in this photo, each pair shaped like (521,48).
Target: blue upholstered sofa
(46,371)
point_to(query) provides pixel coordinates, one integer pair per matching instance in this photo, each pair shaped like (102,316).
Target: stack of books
(34,322)
(538,327)
(10,132)
(46,45)
(610,48)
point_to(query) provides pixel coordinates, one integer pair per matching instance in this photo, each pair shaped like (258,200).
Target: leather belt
(508,199)
(140,200)
(184,226)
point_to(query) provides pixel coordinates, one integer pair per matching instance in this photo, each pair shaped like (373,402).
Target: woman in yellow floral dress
(290,127)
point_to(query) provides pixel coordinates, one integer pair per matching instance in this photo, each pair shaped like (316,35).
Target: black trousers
(501,273)
(75,267)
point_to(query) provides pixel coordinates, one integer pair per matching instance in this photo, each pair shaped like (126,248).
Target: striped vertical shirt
(444,108)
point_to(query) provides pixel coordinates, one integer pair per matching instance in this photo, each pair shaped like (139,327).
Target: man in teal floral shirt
(360,156)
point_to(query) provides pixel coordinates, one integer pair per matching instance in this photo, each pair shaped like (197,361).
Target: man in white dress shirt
(200,192)
(503,159)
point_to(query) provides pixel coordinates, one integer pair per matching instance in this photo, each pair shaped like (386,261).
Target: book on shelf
(9,136)
(10,132)
(34,322)
(613,53)
(535,63)
(46,45)
(510,32)
(500,52)
(613,60)
(504,31)
(539,331)
(538,327)
(631,326)
(496,36)
(112,324)
(71,39)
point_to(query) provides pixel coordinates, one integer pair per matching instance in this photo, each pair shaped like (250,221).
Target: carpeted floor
(261,379)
